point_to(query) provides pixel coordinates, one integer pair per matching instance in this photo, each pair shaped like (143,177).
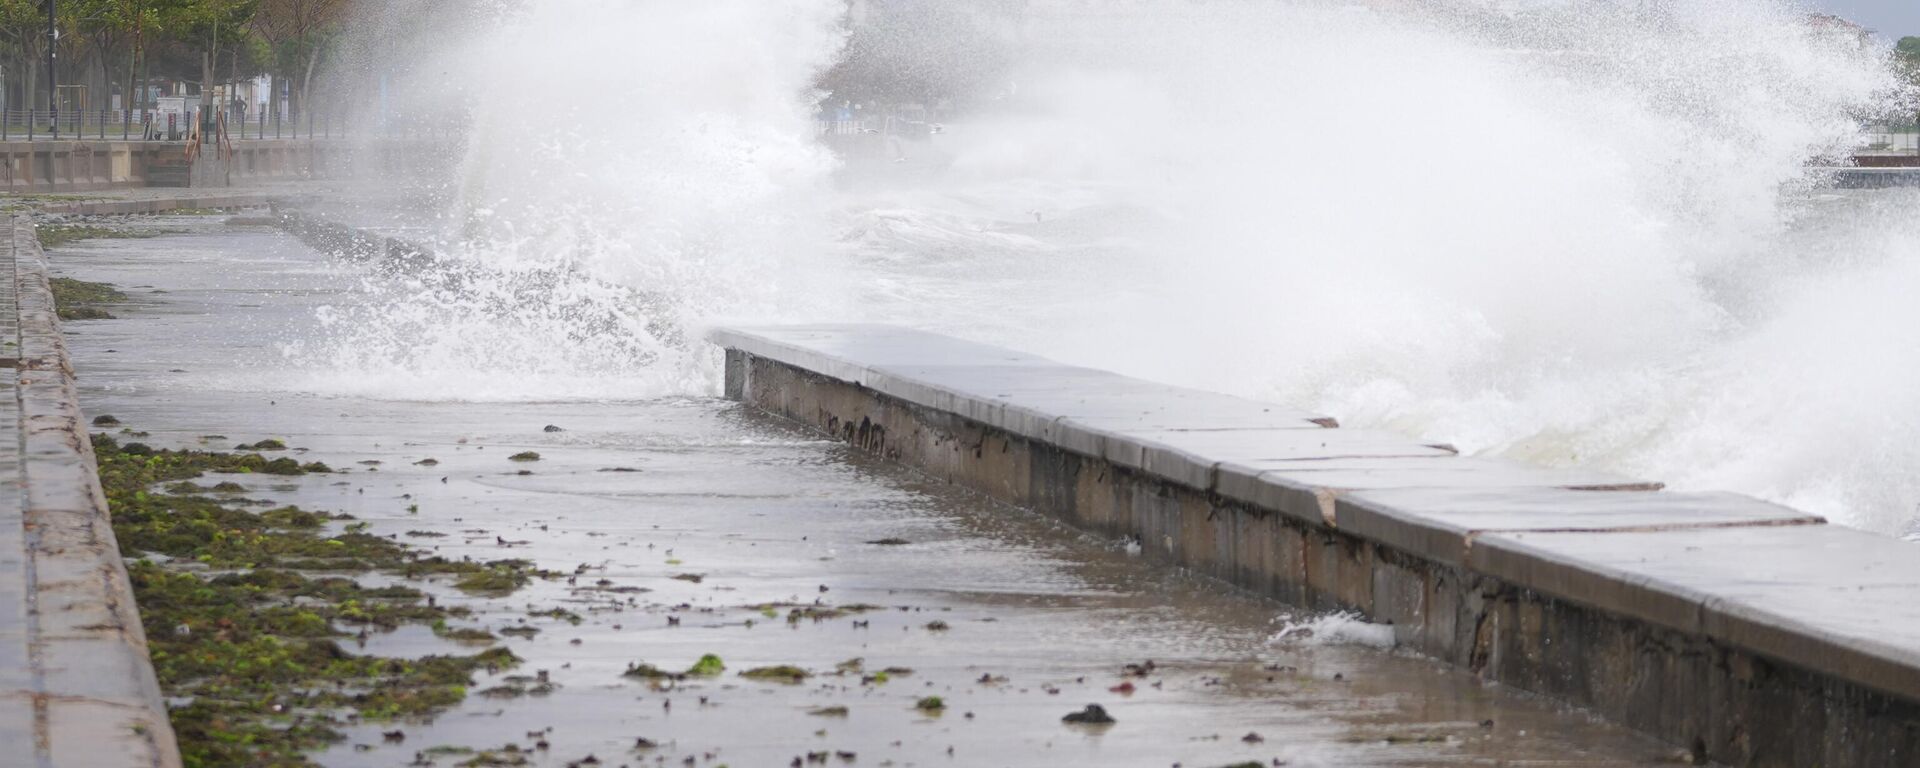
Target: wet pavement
(690,526)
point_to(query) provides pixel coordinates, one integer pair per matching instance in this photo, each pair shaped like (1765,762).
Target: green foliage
(1909,56)
(173,38)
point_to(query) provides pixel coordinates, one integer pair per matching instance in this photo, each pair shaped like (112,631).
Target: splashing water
(1563,232)
(1340,628)
(665,174)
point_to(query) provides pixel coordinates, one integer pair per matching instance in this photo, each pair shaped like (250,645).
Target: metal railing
(842,127)
(155,125)
(891,125)
(1894,138)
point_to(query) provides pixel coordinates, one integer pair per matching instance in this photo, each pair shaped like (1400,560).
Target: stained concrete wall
(1745,632)
(172,200)
(76,687)
(84,165)
(1875,177)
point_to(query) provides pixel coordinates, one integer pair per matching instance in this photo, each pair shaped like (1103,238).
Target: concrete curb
(164,204)
(83,164)
(78,687)
(1746,632)
(1873,177)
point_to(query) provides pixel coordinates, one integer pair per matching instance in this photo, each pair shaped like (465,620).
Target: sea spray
(1562,232)
(643,173)
(1339,628)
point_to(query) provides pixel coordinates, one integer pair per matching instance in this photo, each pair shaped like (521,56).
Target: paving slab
(831,349)
(1011,397)
(1308,488)
(1448,471)
(1101,399)
(1189,456)
(1024,394)
(1839,600)
(1443,523)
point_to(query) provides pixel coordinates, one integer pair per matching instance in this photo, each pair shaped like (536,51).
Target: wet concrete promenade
(75,685)
(693,526)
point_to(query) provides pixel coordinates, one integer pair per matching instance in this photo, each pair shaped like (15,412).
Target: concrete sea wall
(176,200)
(1876,177)
(1744,632)
(76,687)
(89,165)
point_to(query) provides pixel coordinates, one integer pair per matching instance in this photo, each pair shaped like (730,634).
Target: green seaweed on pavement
(251,644)
(784,673)
(708,666)
(557,613)
(82,300)
(645,671)
(56,235)
(496,579)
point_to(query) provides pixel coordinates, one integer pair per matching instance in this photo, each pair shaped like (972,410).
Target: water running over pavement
(761,513)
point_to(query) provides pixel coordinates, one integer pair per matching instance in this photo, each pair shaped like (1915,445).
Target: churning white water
(1564,231)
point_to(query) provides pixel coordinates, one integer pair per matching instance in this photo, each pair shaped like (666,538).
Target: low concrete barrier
(184,199)
(84,165)
(1877,177)
(1742,631)
(76,687)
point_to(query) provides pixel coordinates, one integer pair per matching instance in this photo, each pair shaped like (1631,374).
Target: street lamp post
(53,80)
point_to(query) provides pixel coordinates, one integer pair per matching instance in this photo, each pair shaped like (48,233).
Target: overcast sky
(1893,19)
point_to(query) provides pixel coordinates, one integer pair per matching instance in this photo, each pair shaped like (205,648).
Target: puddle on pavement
(1011,620)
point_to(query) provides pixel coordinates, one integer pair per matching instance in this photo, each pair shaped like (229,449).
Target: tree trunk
(97,86)
(233,94)
(306,82)
(133,68)
(206,80)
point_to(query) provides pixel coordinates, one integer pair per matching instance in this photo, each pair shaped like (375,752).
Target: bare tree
(298,31)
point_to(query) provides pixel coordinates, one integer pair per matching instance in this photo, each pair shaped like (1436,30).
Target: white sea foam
(623,182)
(1333,629)
(1558,231)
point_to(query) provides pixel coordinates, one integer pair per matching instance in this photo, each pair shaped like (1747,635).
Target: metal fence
(1895,138)
(154,125)
(891,125)
(842,127)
